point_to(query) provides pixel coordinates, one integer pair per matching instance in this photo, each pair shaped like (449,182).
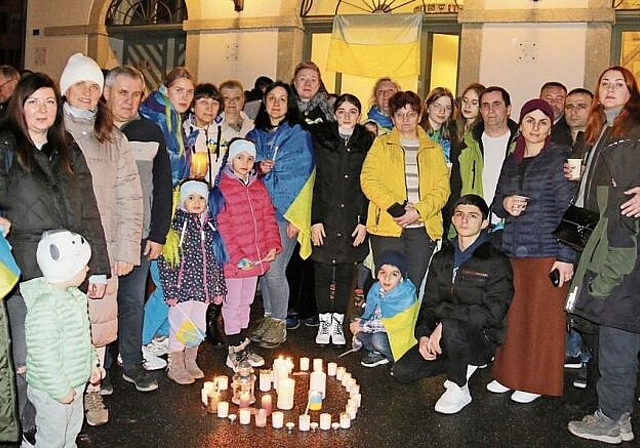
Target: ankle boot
(215,326)
(176,369)
(190,355)
(337,332)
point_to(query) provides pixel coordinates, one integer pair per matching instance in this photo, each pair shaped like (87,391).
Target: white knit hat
(80,68)
(241,145)
(193,186)
(61,255)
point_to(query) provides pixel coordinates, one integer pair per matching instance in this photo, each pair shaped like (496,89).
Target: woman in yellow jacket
(405,178)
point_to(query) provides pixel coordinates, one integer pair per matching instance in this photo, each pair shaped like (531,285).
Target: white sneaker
(470,371)
(151,361)
(159,346)
(324,330)
(520,396)
(454,399)
(497,388)
(337,332)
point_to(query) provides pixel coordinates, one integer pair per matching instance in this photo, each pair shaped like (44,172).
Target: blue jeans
(574,347)
(131,307)
(376,342)
(155,310)
(274,284)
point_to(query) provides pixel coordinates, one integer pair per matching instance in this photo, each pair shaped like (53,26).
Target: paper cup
(575,165)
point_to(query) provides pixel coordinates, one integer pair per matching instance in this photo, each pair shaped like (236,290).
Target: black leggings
(344,276)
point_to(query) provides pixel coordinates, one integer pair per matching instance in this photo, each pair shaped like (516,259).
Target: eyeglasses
(618,85)
(411,115)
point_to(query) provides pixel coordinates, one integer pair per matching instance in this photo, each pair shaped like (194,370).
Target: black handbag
(576,227)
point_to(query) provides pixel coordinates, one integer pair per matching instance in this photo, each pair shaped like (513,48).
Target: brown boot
(190,355)
(176,370)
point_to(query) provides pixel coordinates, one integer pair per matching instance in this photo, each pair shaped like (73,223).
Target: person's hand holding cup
(575,169)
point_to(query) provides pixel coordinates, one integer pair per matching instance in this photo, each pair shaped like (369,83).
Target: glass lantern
(244,383)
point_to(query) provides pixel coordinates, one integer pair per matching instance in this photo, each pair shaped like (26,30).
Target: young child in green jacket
(60,357)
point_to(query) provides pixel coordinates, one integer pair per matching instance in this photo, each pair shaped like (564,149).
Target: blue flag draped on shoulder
(376,45)
(9,271)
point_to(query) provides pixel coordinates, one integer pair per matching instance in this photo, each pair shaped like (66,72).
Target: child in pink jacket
(249,229)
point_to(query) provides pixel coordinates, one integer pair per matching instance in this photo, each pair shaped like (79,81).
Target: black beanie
(393,258)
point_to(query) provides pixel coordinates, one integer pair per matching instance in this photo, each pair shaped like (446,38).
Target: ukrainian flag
(376,45)
(9,271)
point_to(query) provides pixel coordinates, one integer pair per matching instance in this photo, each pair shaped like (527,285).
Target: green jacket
(59,351)
(8,419)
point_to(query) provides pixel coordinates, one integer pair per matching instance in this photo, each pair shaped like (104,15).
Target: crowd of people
(442,212)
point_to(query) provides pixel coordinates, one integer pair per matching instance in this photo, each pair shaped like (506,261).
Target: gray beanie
(80,68)
(61,254)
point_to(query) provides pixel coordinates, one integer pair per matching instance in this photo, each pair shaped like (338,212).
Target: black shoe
(215,333)
(29,438)
(106,386)
(139,377)
(312,321)
(293,322)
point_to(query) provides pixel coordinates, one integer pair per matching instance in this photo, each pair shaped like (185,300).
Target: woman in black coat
(339,214)
(44,185)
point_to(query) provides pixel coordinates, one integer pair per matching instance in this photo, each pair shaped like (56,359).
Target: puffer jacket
(247,223)
(607,281)
(383,183)
(338,201)
(530,235)
(59,351)
(46,198)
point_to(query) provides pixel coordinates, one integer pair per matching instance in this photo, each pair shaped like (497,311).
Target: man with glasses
(9,78)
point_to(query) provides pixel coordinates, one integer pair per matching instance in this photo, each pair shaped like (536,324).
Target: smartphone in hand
(554,276)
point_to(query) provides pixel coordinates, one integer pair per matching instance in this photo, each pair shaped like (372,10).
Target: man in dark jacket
(462,318)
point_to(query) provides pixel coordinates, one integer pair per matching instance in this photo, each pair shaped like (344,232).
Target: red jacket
(247,224)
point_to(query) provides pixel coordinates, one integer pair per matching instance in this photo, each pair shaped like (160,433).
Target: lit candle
(304,364)
(286,388)
(340,371)
(280,370)
(245,399)
(204,395)
(345,378)
(245,416)
(317,364)
(199,164)
(318,381)
(267,403)
(332,367)
(290,365)
(265,380)
(345,420)
(304,422)
(277,419)
(212,401)
(325,421)
(223,409)
(261,418)
(223,382)
(315,400)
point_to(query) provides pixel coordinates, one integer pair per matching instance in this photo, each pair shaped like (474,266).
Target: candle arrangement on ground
(304,391)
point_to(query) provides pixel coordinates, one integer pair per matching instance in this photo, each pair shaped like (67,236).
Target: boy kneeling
(462,317)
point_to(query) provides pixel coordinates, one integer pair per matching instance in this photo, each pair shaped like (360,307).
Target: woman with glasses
(607,279)
(438,120)
(338,214)
(405,178)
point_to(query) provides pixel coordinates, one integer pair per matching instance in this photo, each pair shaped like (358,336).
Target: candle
(223,382)
(277,419)
(204,396)
(357,399)
(335,426)
(351,383)
(199,164)
(223,409)
(245,416)
(245,399)
(345,420)
(332,367)
(290,426)
(355,389)
(304,364)
(345,378)
(267,403)
(232,417)
(212,401)
(261,418)
(304,422)
(317,364)
(280,370)
(265,380)
(289,364)
(352,410)
(340,371)
(325,421)
(286,388)
(318,381)
(315,400)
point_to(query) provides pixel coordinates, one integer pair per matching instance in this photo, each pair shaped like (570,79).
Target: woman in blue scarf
(379,116)
(285,159)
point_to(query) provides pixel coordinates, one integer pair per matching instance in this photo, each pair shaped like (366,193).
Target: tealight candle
(332,367)
(304,422)
(267,403)
(277,419)
(261,418)
(313,426)
(232,417)
(345,379)
(340,371)
(223,382)
(318,381)
(345,420)
(325,421)
(286,389)
(265,380)
(245,416)
(304,364)
(223,409)
(290,426)
(317,364)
